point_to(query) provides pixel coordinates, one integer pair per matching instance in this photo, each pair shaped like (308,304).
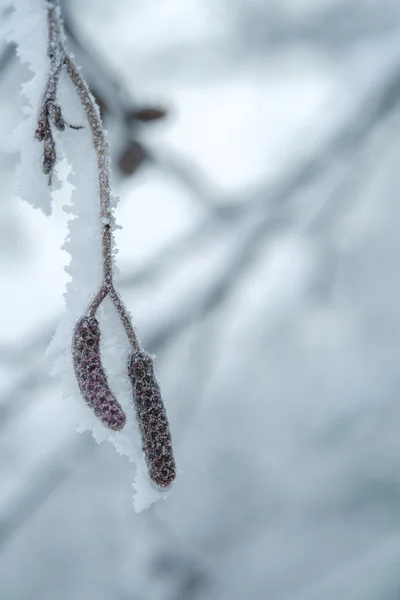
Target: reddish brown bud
(91,377)
(147,114)
(152,420)
(133,155)
(43,129)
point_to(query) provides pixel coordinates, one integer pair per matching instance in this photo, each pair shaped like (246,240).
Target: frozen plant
(92,299)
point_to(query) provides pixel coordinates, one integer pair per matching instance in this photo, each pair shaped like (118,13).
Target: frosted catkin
(91,377)
(152,420)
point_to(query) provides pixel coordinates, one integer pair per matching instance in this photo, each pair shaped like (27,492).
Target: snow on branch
(95,349)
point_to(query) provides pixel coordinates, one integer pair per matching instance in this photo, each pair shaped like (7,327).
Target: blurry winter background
(260,257)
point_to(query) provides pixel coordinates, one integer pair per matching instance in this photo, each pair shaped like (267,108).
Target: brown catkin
(91,377)
(152,420)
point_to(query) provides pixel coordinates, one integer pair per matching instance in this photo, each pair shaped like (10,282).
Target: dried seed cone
(91,377)
(152,419)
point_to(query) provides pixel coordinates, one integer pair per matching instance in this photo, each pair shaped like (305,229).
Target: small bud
(147,114)
(152,420)
(132,156)
(91,377)
(42,129)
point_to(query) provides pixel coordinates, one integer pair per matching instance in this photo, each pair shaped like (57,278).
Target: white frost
(28,29)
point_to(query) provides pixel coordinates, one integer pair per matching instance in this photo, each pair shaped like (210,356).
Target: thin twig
(50,111)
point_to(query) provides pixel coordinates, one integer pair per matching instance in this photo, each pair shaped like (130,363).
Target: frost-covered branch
(93,303)
(50,111)
(91,377)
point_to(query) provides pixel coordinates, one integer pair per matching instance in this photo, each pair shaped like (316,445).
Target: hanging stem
(50,112)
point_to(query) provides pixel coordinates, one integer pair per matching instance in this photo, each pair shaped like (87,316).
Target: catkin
(152,420)
(91,377)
